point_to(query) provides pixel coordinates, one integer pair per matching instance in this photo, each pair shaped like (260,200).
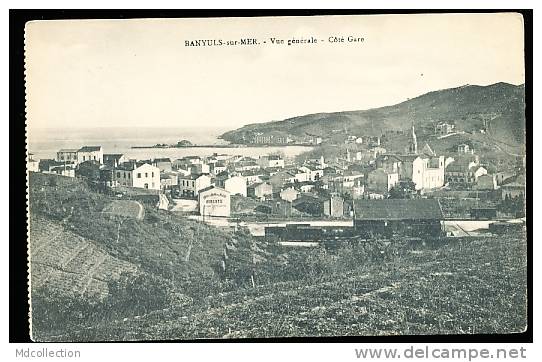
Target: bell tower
(413,146)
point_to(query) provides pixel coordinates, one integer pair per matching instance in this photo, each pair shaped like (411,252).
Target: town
(365,190)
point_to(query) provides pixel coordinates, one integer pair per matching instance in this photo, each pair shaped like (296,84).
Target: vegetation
(170,278)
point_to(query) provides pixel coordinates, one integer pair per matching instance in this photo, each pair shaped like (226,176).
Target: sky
(139,73)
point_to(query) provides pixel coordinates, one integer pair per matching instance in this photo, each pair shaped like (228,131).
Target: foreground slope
(160,278)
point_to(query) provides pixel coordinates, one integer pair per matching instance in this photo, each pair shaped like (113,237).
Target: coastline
(232,145)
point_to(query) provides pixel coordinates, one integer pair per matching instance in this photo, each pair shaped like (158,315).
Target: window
(146,174)
(123,175)
(118,174)
(139,175)
(129,175)
(83,158)
(94,158)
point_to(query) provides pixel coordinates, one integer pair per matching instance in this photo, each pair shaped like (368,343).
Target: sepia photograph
(275,177)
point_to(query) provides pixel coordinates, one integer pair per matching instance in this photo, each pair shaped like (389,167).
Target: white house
(190,185)
(381,181)
(260,190)
(131,174)
(67,155)
(90,153)
(268,161)
(219,167)
(236,185)
(464,148)
(313,173)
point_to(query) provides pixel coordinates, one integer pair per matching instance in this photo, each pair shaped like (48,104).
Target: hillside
(98,276)
(468,106)
(89,263)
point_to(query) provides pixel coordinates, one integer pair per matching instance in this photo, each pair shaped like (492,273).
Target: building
(67,171)
(136,174)
(236,185)
(464,173)
(514,187)
(503,176)
(381,181)
(214,202)
(389,163)
(486,182)
(272,161)
(280,179)
(289,194)
(334,207)
(313,173)
(164,164)
(67,155)
(33,163)
(387,218)
(273,137)
(426,172)
(114,159)
(444,128)
(252,176)
(169,180)
(465,149)
(190,185)
(218,167)
(376,151)
(262,190)
(200,168)
(90,153)
(45,165)
(312,139)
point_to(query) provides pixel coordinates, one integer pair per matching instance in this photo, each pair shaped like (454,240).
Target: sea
(45,142)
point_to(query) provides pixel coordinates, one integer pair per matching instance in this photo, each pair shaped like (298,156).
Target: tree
(405,189)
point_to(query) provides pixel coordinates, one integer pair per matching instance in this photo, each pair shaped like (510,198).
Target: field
(127,208)
(113,277)
(71,264)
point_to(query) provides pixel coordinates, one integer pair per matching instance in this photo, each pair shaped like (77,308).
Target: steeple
(413,147)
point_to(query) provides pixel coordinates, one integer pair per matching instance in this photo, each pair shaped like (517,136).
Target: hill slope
(468,106)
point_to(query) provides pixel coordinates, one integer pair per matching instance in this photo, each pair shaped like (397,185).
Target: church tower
(413,147)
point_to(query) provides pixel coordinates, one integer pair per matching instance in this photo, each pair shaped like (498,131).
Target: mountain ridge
(501,105)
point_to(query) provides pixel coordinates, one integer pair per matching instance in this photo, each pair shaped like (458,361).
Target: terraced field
(70,264)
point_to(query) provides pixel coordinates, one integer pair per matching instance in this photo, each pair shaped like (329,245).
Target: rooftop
(166,159)
(397,209)
(211,188)
(90,149)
